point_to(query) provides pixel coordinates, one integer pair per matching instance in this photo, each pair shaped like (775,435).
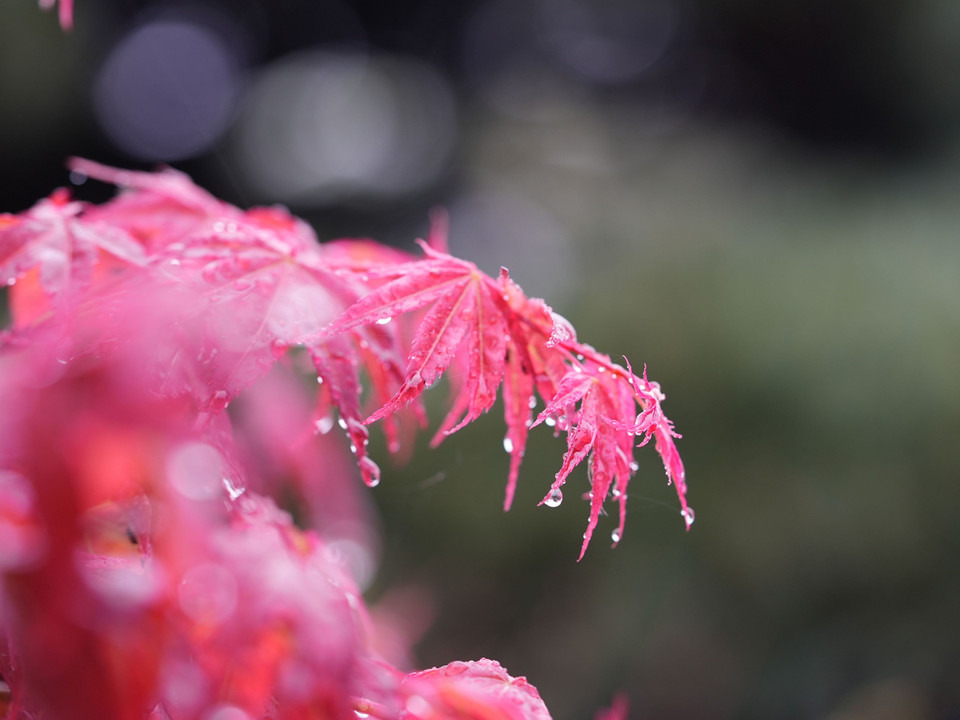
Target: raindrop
(615,536)
(77,177)
(384,321)
(554,498)
(688,516)
(370,471)
(278,347)
(342,423)
(323,425)
(550,421)
(634,466)
(533,402)
(508,444)
(219,401)
(233,490)
(615,494)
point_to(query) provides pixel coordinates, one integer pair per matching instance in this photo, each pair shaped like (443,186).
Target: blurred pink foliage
(145,570)
(65,12)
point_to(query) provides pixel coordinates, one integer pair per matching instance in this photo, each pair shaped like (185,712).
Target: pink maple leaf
(55,238)
(463,311)
(480,690)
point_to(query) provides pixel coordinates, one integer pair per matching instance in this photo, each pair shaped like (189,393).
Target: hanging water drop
(550,421)
(323,425)
(634,466)
(554,498)
(508,444)
(342,423)
(533,402)
(615,536)
(688,516)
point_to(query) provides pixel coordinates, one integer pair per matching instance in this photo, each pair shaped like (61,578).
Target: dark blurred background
(757,199)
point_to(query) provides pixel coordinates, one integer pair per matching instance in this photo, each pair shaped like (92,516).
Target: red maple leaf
(464,312)
(57,240)
(479,690)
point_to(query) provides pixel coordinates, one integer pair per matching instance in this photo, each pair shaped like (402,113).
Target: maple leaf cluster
(143,570)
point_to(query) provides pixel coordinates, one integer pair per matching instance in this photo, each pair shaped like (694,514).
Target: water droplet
(219,401)
(78,177)
(11,281)
(634,466)
(196,471)
(361,715)
(688,516)
(615,494)
(219,226)
(550,421)
(370,472)
(323,425)
(342,423)
(554,498)
(279,348)
(384,321)
(533,402)
(319,380)
(233,490)
(615,536)
(508,444)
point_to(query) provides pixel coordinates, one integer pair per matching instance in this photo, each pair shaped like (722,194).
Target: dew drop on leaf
(219,401)
(554,498)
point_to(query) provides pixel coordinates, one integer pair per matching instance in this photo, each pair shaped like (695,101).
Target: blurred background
(758,200)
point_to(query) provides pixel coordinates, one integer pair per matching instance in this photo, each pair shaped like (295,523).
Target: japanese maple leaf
(259,291)
(463,312)
(480,690)
(55,238)
(157,208)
